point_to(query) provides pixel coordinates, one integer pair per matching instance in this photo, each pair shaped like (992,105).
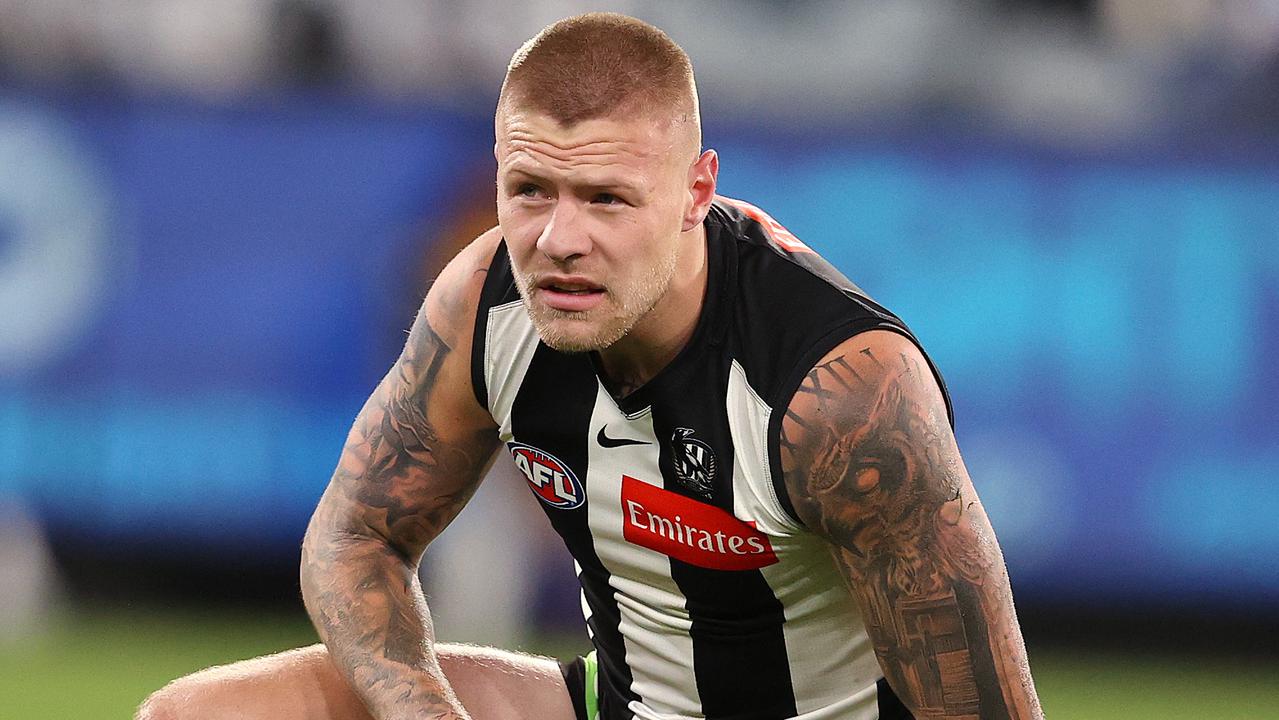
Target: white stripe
(509,343)
(832,663)
(754,497)
(654,619)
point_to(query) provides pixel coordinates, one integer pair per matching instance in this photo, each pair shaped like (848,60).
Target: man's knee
(164,704)
(493,683)
(297,683)
(304,684)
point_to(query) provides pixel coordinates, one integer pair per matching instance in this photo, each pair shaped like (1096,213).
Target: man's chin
(576,336)
(572,342)
(570,347)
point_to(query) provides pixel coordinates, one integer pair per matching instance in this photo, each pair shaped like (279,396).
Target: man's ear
(702,176)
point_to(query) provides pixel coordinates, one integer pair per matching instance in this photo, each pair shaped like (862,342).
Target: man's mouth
(570,294)
(574,290)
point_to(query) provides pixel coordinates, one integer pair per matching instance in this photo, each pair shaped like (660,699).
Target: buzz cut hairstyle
(602,65)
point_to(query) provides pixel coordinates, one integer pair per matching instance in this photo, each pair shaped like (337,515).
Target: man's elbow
(320,561)
(312,543)
(327,550)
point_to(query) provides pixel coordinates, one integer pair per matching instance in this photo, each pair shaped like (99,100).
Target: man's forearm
(367,604)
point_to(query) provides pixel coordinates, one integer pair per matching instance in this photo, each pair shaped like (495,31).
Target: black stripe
(499,288)
(739,651)
(890,706)
(552,412)
(574,673)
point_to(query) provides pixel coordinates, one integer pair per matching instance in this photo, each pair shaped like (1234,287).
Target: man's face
(592,215)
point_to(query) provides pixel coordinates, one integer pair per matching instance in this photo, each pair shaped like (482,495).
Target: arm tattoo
(870,464)
(405,472)
(405,462)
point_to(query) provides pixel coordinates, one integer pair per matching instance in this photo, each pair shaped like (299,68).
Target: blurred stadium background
(216,220)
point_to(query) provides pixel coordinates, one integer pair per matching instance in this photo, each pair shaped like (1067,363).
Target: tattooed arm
(413,458)
(871,464)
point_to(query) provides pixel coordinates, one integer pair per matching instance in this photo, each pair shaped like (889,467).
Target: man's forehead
(645,136)
(641,135)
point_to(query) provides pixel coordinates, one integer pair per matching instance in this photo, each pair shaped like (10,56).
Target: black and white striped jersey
(703,594)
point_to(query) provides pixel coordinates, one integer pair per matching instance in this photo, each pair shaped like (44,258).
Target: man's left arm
(871,464)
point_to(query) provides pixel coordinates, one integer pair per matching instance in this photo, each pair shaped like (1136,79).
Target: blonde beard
(556,327)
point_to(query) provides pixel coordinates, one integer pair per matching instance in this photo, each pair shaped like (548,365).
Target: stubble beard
(599,327)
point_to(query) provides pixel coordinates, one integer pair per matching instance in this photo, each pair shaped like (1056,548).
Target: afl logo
(552,481)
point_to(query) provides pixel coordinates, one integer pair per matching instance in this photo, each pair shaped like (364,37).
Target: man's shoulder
(774,257)
(454,297)
(791,305)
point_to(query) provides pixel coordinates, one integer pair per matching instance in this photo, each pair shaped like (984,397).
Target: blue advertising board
(195,300)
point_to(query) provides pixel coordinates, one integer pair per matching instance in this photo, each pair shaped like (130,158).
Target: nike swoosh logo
(608,442)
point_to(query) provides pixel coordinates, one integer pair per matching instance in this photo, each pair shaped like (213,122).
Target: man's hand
(416,454)
(871,464)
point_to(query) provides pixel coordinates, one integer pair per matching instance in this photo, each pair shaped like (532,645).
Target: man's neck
(661,334)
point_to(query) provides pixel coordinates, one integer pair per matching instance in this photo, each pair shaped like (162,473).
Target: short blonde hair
(600,65)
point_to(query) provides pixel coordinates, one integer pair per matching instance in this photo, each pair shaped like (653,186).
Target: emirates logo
(690,530)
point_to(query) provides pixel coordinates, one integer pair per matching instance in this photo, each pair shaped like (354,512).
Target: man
(751,462)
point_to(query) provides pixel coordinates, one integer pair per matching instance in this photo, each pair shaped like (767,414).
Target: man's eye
(528,190)
(607,199)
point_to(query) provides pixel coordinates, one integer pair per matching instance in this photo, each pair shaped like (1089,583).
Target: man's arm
(871,465)
(415,455)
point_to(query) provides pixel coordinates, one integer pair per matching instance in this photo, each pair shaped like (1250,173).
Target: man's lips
(569,293)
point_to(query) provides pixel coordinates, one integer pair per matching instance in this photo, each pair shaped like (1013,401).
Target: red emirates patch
(691,531)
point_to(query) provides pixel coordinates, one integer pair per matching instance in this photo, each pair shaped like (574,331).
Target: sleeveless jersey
(704,595)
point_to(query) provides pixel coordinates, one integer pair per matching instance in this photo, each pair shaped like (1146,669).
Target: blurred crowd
(1074,69)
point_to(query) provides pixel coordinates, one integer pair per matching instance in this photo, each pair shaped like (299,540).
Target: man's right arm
(415,455)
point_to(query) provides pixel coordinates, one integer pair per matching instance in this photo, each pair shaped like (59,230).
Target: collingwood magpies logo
(694,462)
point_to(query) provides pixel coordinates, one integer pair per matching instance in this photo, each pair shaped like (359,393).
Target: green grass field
(99,665)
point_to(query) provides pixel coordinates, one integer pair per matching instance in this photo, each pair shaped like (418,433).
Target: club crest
(694,462)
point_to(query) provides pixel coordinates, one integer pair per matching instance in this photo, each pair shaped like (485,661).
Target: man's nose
(564,238)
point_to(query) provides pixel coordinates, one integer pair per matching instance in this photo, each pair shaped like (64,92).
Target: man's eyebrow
(613,184)
(523,172)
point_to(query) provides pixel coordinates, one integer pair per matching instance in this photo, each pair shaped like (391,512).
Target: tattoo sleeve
(871,464)
(409,465)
